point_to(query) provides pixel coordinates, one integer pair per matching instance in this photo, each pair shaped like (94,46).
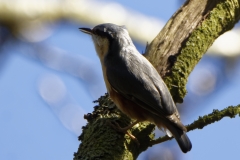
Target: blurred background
(50,75)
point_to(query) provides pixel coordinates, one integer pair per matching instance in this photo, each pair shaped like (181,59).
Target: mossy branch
(204,121)
(101,141)
(186,37)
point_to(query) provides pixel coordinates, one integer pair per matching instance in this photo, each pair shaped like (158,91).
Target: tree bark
(174,53)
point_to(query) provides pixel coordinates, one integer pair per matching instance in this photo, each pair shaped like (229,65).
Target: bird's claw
(124,130)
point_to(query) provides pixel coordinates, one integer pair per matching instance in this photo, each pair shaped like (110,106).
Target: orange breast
(128,107)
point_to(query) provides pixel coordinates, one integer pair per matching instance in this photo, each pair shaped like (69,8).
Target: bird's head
(108,37)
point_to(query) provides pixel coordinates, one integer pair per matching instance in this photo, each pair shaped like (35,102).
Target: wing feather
(133,76)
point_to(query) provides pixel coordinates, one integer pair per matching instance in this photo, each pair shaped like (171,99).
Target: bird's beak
(86,30)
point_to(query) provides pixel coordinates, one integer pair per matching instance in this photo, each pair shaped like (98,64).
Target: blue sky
(42,104)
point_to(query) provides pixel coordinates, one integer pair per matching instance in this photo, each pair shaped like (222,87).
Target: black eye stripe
(103,32)
(98,32)
(95,31)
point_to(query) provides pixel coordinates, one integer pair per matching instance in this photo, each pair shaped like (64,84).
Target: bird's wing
(135,78)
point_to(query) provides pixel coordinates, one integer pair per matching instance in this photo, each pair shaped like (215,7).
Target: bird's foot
(124,130)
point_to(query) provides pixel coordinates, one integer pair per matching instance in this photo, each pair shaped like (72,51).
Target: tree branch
(204,121)
(186,37)
(101,141)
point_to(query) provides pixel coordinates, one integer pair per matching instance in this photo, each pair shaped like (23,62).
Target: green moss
(99,138)
(215,116)
(219,20)
(202,122)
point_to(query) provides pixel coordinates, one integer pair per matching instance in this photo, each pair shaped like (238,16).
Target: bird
(134,84)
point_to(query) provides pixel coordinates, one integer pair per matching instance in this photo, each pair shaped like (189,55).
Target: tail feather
(184,142)
(181,137)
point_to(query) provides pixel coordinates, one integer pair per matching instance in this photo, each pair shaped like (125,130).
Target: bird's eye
(94,31)
(103,32)
(97,32)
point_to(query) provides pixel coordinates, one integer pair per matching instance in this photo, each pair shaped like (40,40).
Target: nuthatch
(134,84)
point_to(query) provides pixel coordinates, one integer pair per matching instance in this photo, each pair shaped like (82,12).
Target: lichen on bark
(217,21)
(101,141)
